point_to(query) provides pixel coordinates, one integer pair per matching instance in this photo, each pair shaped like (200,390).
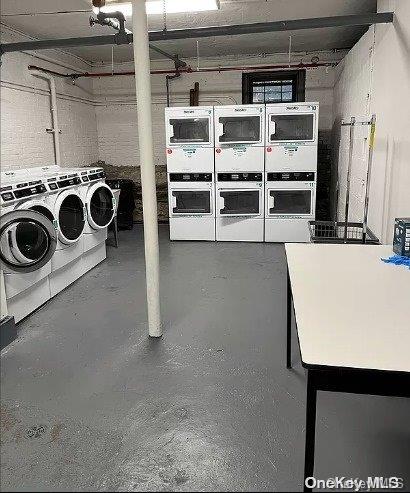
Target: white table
(352,314)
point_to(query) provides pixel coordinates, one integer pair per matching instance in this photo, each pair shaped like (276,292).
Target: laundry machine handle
(271,201)
(272,126)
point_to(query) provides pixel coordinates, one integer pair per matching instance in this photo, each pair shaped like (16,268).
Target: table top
(352,310)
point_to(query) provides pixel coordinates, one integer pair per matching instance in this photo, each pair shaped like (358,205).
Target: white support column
(146,152)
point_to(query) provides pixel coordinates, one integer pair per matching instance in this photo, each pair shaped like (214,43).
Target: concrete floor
(90,403)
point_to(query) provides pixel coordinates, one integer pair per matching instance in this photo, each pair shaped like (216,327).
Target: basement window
(286,86)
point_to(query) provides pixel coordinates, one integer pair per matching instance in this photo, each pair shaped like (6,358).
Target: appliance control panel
(69,182)
(98,175)
(184,177)
(294,176)
(28,191)
(239,176)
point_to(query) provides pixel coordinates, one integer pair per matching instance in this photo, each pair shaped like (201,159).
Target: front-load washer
(191,206)
(70,213)
(239,207)
(28,240)
(101,209)
(290,205)
(239,138)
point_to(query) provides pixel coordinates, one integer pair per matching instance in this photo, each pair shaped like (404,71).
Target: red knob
(218,150)
(269,149)
(169,151)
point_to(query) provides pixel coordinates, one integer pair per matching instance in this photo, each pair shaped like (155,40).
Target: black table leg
(310,429)
(115,231)
(289,325)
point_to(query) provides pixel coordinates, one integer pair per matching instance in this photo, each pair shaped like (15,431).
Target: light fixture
(157,6)
(179,6)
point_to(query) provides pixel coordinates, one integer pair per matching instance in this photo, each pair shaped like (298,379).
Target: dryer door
(28,240)
(70,213)
(101,206)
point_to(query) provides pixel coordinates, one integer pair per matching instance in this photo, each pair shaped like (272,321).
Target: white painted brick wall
(374,78)
(117,132)
(25,114)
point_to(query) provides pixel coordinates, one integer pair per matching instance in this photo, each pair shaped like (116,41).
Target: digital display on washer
(7,196)
(294,176)
(184,177)
(239,176)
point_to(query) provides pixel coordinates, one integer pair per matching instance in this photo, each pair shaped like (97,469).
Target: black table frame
(338,379)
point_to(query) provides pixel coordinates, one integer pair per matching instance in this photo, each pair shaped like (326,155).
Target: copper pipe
(190,70)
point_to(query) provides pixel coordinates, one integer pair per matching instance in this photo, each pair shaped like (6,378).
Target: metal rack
(349,232)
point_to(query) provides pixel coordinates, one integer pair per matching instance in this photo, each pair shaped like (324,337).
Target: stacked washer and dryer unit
(260,184)
(239,166)
(52,231)
(290,170)
(191,172)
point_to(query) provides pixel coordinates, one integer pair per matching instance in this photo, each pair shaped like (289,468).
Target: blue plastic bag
(398,260)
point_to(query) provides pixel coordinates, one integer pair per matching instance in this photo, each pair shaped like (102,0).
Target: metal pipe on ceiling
(285,25)
(263,27)
(189,70)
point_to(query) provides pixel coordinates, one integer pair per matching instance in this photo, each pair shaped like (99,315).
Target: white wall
(116,110)
(25,111)
(375,78)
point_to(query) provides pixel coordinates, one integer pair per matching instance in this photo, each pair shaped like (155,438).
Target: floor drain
(36,431)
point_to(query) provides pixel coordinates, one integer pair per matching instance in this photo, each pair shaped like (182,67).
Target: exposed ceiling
(231,12)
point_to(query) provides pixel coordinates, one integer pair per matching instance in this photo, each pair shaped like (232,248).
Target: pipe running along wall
(189,70)
(55,129)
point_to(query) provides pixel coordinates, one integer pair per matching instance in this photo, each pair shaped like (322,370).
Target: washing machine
(69,209)
(28,241)
(100,205)
(240,206)
(291,137)
(239,138)
(190,172)
(290,205)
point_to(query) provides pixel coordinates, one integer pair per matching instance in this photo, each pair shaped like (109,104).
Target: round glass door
(27,240)
(70,213)
(100,205)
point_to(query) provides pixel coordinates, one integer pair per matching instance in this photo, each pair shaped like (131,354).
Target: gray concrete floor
(90,403)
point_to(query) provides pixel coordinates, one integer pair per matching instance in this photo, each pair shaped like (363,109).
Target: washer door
(101,206)
(70,213)
(41,207)
(27,240)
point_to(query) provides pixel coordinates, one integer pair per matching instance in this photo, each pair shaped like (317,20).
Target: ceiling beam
(263,27)
(202,32)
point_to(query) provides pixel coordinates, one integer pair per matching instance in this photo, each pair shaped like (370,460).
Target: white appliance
(101,207)
(28,240)
(239,138)
(190,139)
(239,206)
(291,136)
(191,206)
(191,172)
(290,205)
(69,210)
